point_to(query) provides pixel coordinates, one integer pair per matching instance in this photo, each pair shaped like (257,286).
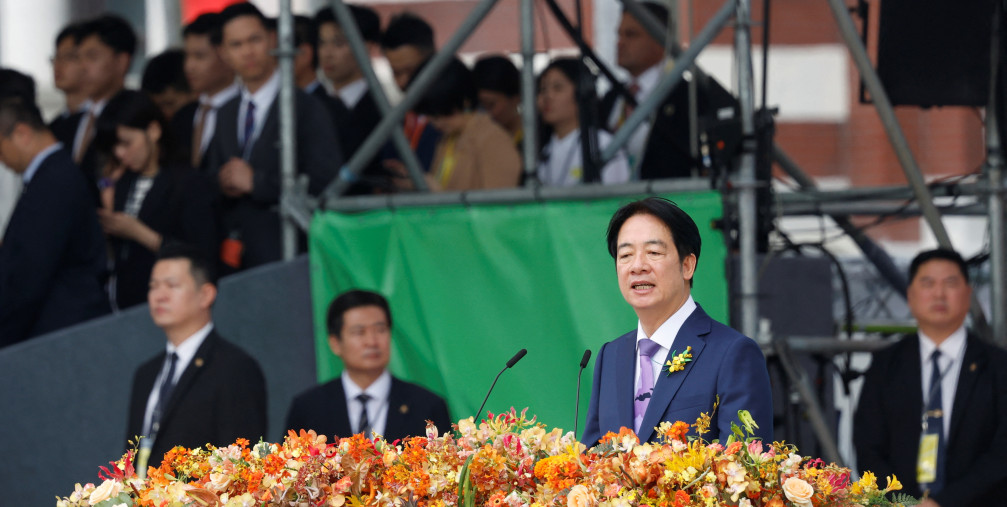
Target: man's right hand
(236,178)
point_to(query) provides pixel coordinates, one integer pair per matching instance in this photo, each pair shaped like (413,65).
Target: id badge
(142,458)
(926,465)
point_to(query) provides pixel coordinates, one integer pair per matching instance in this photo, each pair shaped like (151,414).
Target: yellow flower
(678,361)
(868,482)
(893,484)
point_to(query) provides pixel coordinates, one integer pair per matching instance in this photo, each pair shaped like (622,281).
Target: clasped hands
(236,178)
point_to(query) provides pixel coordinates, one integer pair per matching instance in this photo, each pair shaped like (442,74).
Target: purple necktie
(647,350)
(249,131)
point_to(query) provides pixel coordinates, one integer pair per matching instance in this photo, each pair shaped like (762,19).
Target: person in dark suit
(356,112)
(244,156)
(366,398)
(68,77)
(157,200)
(408,44)
(202,389)
(194,124)
(164,81)
(656,249)
(106,51)
(933,408)
(658,148)
(52,256)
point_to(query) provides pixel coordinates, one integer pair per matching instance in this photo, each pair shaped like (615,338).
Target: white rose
(107,490)
(219,482)
(798,491)
(580,496)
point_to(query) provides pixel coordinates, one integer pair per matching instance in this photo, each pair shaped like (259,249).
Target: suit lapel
(625,368)
(972,365)
(910,382)
(268,135)
(199,361)
(154,201)
(398,407)
(337,407)
(667,386)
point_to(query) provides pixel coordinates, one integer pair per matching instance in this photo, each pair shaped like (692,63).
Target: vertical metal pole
(899,144)
(288,144)
(994,172)
(359,48)
(745,180)
(528,91)
(669,80)
(421,82)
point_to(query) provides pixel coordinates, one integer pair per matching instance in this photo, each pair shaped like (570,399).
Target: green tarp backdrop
(469,286)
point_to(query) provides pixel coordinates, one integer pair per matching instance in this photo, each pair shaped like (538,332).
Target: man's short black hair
(366,18)
(349,300)
(166,70)
(71,31)
(684,231)
(200,267)
(305,32)
(113,31)
(408,29)
(15,110)
(497,73)
(16,84)
(659,12)
(235,11)
(938,254)
(207,25)
(454,91)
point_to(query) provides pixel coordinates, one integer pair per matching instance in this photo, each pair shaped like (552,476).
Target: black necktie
(935,420)
(164,394)
(364,425)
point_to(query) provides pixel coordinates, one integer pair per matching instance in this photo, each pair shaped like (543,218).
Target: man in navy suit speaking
(656,249)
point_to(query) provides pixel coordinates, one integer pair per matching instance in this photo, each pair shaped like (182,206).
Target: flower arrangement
(507,460)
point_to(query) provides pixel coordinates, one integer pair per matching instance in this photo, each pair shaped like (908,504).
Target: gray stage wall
(64,396)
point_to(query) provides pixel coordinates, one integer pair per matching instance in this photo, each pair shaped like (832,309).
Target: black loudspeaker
(936,52)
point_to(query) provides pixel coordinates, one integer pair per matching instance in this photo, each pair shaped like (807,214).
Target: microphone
(517,357)
(576,408)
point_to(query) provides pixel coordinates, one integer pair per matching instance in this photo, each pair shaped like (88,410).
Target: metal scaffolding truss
(987,194)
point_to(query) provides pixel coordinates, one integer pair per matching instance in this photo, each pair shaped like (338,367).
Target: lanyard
(939,412)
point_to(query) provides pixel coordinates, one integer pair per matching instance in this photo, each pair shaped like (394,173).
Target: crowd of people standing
(193,156)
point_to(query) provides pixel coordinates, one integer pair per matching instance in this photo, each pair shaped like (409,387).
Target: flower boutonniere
(678,361)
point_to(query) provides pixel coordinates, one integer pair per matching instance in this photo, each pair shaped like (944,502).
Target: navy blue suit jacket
(52,258)
(724,363)
(323,409)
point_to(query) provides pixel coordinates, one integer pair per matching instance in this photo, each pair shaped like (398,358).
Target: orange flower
(624,432)
(559,472)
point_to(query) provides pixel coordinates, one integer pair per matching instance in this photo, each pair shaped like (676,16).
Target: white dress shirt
(950,364)
(263,98)
(352,93)
(647,82)
(95,109)
(665,337)
(186,351)
(214,101)
(377,406)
